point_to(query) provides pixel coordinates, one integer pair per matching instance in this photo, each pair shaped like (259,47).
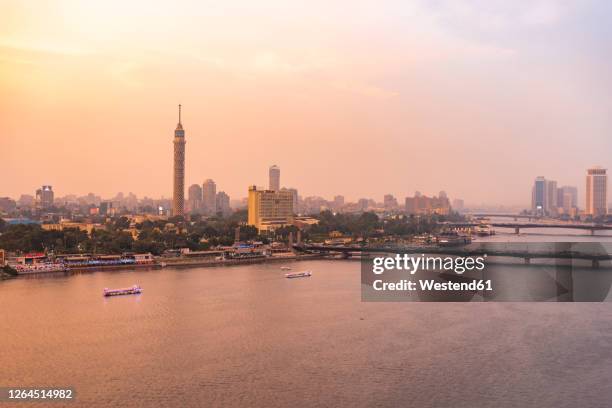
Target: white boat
(304,274)
(285,268)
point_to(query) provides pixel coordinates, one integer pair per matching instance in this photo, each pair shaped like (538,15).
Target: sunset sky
(360,98)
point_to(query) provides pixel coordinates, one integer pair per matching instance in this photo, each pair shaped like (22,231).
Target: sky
(359,98)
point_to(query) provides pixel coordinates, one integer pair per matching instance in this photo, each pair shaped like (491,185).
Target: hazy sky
(359,98)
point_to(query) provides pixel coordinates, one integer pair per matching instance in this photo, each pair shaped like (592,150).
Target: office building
(223,204)
(44,197)
(209,197)
(274,175)
(596,192)
(194,198)
(269,210)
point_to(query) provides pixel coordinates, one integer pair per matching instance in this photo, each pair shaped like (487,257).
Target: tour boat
(285,268)
(134,290)
(305,274)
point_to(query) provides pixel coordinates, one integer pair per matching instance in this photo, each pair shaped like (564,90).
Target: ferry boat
(304,274)
(285,268)
(134,290)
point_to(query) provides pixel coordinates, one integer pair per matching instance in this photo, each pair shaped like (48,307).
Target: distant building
(338,202)
(7,204)
(423,205)
(596,191)
(26,200)
(389,202)
(270,210)
(106,208)
(294,193)
(223,203)
(458,204)
(209,197)
(274,175)
(567,199)
(194,198)
(539,196)
(44,197)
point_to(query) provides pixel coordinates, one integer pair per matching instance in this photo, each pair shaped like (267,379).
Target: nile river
(246,336)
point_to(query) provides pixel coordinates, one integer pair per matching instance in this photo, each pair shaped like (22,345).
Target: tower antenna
(179,113)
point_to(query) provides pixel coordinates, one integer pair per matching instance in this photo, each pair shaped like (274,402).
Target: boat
(484,230)
(285,268)
(40,267)
(452,238)
(304,274)
(134,290)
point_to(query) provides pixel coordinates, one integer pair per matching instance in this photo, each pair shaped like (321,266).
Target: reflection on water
(246,336)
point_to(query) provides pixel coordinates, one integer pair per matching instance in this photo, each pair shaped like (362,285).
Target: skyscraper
(44,197)
(539,196)
(178,195)
(274,178)
(194,198)
(596,191)
(209,197)
(223,203)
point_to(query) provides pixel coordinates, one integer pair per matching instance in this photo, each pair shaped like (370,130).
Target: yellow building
(269,210)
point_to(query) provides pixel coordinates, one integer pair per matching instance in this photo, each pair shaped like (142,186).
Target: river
(246,336)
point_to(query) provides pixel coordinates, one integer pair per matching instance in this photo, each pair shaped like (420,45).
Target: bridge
(562,251)
(515,216)
(518,225)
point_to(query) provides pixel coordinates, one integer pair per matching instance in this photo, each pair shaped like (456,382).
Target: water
(246,336)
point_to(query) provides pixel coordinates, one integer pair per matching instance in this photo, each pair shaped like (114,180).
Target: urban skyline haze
(361,99)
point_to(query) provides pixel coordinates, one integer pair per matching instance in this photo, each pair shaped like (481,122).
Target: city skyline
(518,89)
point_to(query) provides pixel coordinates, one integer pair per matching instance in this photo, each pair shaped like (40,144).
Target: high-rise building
(194,198)
(223,203)
(551,197)
(269,210)
(389,201)
(458,204)
(274,175)
(44,197)
(338,202)
(178,195)
(596,191)
(294,192)
(209,197)
(567,199)
(538,196)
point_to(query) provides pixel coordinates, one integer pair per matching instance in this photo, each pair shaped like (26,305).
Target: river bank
(160,263)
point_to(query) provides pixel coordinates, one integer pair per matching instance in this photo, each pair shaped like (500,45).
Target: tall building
(338,202)
(269,210)
(274,175)
(596,191)
(458,204)
(178,194)
(209,197)
(567,199)
(294,192)
(551,197)
(44,197)
(389,202)
(194,198)
(223,203)
(538,196)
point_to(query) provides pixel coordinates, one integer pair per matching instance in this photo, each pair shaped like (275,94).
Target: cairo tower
(178,197)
